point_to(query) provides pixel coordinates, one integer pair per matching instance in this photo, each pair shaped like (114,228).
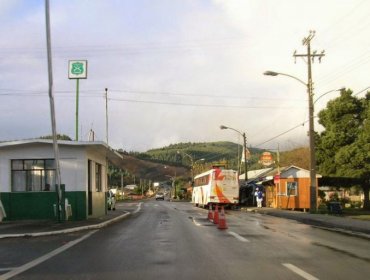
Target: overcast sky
(178,69)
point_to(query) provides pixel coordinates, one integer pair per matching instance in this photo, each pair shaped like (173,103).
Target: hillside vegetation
(205,155)
(163,163)
(211,152)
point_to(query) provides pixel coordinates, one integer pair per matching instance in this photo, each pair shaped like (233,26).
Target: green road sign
(77,69)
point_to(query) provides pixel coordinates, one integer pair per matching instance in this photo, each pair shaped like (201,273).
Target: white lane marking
(138,208)
(6,269)
(43,258)
(300,272)
(196,223)
(237,236)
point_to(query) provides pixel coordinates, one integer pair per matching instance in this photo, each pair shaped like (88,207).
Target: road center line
(138,208)
(237,236)
(300,272)
(43,258)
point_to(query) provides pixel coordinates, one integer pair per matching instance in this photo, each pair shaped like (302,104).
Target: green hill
(212,153)
(159,164)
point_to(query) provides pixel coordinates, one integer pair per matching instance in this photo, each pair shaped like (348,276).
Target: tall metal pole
(310,57)
(77,105)
(278,184)
(52,108)
(245,149)
(313,187)
(106,113)
(245,157)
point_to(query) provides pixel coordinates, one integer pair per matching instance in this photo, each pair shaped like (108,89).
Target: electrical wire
(201,105)
(281,134)
(301,124)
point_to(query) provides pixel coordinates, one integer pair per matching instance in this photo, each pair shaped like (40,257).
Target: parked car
(159,195)
(111,200)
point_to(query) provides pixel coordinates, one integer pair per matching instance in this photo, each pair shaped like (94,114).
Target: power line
(301,124)
(202,105)
(281,134)
(168,93)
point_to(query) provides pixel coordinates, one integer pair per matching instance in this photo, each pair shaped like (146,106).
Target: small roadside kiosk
(288,190)
(28,182)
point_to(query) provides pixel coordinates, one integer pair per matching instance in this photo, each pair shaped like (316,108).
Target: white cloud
(173,53)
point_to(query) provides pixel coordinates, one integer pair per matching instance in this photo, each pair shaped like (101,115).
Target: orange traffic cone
(215,215)
(210,213)
(222,223)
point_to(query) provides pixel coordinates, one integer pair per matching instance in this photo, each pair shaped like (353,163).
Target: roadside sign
(77,69)
(266,159)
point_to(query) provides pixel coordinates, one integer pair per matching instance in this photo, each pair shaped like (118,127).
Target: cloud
(159,58)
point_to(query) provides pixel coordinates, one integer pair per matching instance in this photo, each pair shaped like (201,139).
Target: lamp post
(192,162)
(173,186)
(245,149)
(173,179)
(330,91)
(313,185)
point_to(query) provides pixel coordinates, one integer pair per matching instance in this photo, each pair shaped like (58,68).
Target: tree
(343,148)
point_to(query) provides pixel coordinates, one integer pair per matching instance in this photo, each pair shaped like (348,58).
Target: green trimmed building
(28,181)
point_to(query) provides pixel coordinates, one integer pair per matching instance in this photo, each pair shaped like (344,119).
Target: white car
(159,195)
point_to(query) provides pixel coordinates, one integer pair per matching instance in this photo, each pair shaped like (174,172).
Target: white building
(27,178)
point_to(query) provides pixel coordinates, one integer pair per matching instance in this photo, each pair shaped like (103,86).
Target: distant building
(130,187)
(27,178)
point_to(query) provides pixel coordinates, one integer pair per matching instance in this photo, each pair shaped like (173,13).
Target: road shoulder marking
(237,236)
(195,222)
(43,258)
(138,208)
(299,271)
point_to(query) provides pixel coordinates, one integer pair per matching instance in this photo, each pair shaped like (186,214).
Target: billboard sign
(266,159)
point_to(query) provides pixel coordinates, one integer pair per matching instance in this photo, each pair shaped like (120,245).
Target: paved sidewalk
(340,224)
(33,228)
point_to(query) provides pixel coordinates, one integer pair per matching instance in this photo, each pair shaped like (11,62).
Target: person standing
(259,197)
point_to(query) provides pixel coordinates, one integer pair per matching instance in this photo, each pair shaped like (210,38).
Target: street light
(192,163)
(245,149)
(173,179)
(173,186)
(313,185)
(340,89)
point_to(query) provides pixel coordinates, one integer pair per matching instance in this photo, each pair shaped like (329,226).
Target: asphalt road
(172,240)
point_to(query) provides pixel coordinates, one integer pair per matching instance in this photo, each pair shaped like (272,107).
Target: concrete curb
(322,225)
(345,232)
(68,230)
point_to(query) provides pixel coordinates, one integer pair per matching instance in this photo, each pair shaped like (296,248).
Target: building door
(89,185)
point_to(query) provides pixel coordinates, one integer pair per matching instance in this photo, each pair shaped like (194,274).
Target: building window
(33,175)
(98,177)
(291,188)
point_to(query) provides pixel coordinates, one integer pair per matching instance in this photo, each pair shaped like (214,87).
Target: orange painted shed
(291,191)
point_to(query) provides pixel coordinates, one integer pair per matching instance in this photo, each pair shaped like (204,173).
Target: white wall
(101,159)
(73,163)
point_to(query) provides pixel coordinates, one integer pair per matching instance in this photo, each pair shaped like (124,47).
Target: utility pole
(310,59)
(52,112)
(245,157)
(106,113)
